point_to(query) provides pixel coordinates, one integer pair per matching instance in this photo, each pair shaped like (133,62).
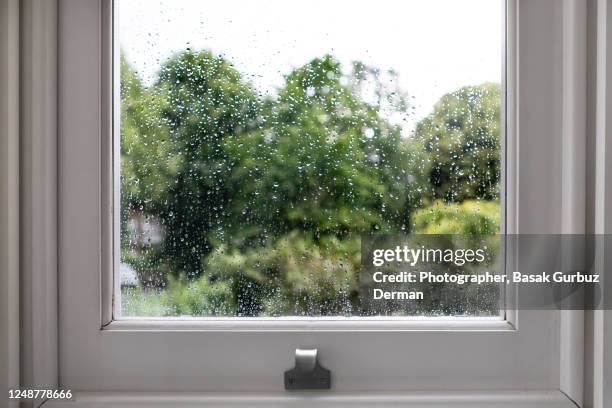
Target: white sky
(435,45)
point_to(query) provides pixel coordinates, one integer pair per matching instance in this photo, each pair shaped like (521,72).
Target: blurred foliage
(458,146)
(261,201)
(471,217)
(292,276)
(197,297)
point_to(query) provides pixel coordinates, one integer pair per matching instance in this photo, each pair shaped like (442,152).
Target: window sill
(471,399)
(495,324)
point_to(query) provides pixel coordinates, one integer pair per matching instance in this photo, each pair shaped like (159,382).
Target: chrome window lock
(307,374)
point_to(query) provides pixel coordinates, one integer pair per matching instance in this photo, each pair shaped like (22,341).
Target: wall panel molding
(39,193)
(9,196)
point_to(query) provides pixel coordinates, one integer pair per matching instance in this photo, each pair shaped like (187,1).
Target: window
(258,146)
(198,350)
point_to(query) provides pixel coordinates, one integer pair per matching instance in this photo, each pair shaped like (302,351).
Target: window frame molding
(110,225)
(110,288)
(38,196)
(9,195)
(40,284)
(599,329)
(444,399)
(77,254)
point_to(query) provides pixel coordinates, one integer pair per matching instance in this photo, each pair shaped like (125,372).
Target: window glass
(261,141)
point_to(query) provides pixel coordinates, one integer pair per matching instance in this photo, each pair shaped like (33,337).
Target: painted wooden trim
(510,174)
(119,359)
(109,289)
(9,195)
(602,319)
(573,209)
(331,325)
(471,399)
(39,193)
(109,148)
(39,166)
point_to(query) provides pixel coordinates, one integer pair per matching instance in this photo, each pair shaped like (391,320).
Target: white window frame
(93,352)
(345,344)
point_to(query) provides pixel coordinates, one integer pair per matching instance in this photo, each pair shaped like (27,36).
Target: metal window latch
(308,373)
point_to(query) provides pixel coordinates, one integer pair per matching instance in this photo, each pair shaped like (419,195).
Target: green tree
(324,162)
(457,147)
(206,102)
(147,164)
(324,167)
(262,201)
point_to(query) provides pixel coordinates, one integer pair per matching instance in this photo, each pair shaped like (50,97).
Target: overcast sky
(436,46)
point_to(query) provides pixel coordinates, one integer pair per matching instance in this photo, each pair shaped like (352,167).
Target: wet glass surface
(261,139)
